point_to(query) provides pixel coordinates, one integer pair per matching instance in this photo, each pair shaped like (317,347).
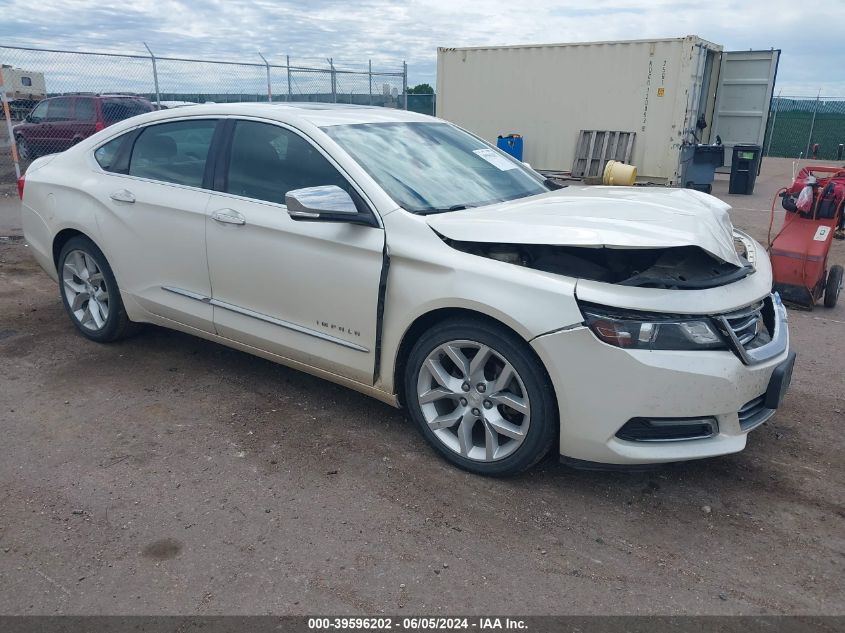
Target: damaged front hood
(595,217)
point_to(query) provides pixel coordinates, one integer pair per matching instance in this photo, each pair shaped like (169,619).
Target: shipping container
(657,89)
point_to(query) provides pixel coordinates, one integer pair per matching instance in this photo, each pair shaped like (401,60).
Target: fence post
(8,115)
(370,73)
(813,123)
(287,61)
(772,128)
(334,81)
(405,84)
(269,85)
(155,76)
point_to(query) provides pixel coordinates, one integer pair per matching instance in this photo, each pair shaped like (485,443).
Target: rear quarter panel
(55,200)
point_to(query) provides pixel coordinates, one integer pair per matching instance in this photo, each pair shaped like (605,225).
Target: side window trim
(219,155)
(220,183)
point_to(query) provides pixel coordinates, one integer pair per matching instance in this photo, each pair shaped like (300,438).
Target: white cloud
(388,32)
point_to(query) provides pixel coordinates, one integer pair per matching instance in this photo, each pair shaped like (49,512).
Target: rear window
(115,110)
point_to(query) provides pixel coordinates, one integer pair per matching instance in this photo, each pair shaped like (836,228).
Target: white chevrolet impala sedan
(405,258)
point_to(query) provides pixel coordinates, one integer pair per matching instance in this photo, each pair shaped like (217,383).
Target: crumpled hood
(612,217)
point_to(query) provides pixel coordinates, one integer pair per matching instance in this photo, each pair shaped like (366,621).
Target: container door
(743,98)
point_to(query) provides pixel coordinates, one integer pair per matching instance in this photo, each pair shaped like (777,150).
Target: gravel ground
(165,474)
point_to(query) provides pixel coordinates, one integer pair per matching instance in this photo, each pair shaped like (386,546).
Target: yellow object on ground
(616,173)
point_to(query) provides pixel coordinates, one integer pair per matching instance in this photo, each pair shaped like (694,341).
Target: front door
(307,291)
(36,131)
(60,124)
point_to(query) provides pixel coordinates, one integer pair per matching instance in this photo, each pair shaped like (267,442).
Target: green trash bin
(745,163)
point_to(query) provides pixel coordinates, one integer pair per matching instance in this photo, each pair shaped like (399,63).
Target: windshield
(435,167)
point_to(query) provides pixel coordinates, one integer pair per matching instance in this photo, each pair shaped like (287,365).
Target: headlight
(652,331)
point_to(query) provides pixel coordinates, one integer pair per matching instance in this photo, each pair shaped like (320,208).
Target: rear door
(85,116)
(743,98)
(153,188)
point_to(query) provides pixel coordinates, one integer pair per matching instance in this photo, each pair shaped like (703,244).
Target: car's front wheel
(90,293)
(480,397)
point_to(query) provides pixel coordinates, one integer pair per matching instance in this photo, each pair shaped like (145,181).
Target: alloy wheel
(84,286)
(24,153)
(473,400)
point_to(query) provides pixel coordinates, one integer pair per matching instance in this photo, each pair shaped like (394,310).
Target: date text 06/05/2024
(416,624)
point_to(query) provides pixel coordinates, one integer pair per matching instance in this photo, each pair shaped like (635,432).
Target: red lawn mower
(814,213)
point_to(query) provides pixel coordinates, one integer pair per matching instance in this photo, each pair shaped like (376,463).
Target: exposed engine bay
(681,268)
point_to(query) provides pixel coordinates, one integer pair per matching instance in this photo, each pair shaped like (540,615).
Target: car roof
(94,95)
(318,114)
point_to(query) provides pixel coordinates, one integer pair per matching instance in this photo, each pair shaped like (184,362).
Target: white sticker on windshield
(494,158)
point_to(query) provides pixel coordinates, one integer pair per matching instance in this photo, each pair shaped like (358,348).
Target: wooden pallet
(596,147)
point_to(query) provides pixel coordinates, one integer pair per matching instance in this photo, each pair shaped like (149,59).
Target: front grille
(747,323)
(749,328)
(753,413)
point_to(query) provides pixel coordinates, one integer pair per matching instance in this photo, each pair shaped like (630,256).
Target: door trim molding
(266,318)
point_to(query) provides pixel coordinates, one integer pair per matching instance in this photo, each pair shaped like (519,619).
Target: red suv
(59,122)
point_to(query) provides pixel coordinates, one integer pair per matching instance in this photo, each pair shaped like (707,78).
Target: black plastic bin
(745,164)
(700,163)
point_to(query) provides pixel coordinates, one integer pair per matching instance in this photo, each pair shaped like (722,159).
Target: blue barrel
(512,144)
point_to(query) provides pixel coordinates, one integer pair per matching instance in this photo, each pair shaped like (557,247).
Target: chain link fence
(97,89)
(422,103)
(804,127)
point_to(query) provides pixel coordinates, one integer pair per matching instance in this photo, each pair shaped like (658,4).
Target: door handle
(228,216)
(124,195)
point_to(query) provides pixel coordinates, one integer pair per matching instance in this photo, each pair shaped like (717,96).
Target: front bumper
(600,387)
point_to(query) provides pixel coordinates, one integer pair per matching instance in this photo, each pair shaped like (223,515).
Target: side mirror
(28,118)
(328,203)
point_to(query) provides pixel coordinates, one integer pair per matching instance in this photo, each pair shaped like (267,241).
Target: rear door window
(115,110)
(84,109)
(173,152)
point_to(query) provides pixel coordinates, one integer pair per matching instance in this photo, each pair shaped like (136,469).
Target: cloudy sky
(351,32)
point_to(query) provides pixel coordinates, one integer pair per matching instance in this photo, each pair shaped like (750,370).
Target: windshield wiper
(456,207)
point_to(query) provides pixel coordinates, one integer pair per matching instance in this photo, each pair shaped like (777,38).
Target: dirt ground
(165,474)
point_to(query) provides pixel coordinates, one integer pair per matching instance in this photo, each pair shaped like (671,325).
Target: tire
(464,419)
(833,286)
(83,270)
(25,150)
